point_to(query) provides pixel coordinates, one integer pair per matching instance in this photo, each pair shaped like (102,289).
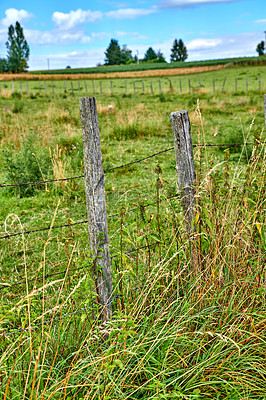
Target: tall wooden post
(160,86)
(186,175)
(96,208)
(223,85)
(264,98)
(142,85)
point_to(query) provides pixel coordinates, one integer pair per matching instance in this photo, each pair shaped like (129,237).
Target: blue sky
(78,33)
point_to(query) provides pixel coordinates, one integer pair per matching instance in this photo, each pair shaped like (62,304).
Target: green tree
(126,55)
(113,53)
(3,65)
(178,51)
(260,48)
(150,55)
(18,50)
(160,57)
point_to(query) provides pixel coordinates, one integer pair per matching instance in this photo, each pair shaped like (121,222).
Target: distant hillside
(154,66)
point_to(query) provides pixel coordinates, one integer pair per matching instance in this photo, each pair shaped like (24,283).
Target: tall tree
(160,57)
(260,48)
(126,54)
(18,50)
(150,55)
(178,51)
(113,53)
(3,65)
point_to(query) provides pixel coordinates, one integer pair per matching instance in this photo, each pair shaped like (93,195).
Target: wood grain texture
(96,207)
(186,176)
(184,162)
(264,98)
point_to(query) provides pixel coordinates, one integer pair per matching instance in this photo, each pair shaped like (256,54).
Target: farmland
(174,334)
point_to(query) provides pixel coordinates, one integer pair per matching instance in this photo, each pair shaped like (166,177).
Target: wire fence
(133,86)
(67,270)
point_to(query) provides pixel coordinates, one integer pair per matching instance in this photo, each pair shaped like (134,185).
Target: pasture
(174,334)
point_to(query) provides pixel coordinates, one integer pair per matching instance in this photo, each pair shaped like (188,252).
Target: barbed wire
(4,286)
(42,182)
(113,298)
(74,223)
(125,165)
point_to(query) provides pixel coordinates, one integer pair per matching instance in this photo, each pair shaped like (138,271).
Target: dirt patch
(128,74)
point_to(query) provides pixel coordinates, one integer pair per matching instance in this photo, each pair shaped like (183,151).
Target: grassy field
(153,66)
(174,334)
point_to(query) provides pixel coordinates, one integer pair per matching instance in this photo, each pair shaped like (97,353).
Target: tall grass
(176,334)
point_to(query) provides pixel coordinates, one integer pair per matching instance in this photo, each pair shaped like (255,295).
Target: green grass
(146,66)
(211,82)
(178,333)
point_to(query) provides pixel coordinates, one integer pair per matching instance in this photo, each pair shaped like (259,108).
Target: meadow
(175,334)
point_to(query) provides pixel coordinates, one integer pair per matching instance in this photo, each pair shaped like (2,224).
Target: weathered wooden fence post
(199,84)
(125,87)
(143,85)
(20,85)
(160,86)
(93,88)
(79,85)
(259,79)
(65,86)
(45,86)
(85,84)
(264,98)
(151,87)
(180,84)
(223,85)
(186,175)
(111,87)
(72,89)
(189,85)
(96,208)
(134,86)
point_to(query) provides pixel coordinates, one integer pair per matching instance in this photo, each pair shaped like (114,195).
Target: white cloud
(130,13)
(260,21)
(37,38)
(200,44)
(13,15)
(192,3)
(75,59)
(67,21)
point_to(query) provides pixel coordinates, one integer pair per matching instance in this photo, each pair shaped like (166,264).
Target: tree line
(116,55)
